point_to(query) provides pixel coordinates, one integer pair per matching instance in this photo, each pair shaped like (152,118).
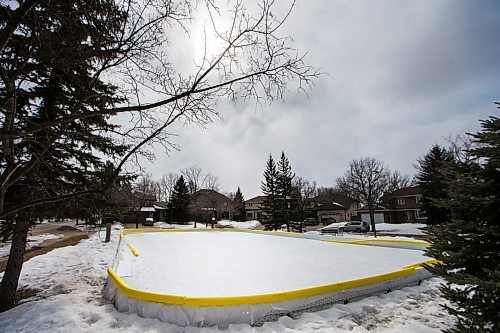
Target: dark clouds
(402,75)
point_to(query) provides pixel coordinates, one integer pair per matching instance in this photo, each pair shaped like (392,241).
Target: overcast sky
(402,76)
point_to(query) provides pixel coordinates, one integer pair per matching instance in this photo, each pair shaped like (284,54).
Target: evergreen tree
(179,202)
(468,243)
(433,180)
(270,206)
(57,53)
(287,200)
(239,203)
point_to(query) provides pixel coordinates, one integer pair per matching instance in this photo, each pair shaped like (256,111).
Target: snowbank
(403,228)
(240,225)
(189,225)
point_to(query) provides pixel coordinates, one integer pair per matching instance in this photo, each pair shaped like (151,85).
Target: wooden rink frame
(258,308)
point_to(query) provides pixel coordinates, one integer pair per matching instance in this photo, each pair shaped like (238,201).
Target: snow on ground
(233,263)
(32,242)
(410,229)
(189,225)
(240,225)
(72,279)
(403,228)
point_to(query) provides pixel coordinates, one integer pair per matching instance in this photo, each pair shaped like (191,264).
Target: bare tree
(460,146)
(366,180)
(167,183)
(328,191)
(396,181)
(194,177)
(229,194)
(306,188)
(147,188)
(309,189)
(125,51)
(251,61)
(211,182)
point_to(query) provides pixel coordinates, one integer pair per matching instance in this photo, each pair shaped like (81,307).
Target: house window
(420,214)
(249,214)
(401,200)
(408,215)
(418,199)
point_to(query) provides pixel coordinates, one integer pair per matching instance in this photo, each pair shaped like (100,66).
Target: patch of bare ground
(26,294)
(36,251)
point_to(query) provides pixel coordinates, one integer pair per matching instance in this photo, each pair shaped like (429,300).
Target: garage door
(379,218)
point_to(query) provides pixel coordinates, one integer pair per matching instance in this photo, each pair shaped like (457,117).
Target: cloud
(402,76)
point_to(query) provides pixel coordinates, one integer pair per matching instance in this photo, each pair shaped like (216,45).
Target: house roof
(333,199)
(210,195)
(257,199)
(161,205)
(375,208)
(147,209)
(406,191)
(329,206)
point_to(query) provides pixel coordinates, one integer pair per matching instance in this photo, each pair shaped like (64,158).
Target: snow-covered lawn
(32,242)
(71,281)
(403,228)
(240,225)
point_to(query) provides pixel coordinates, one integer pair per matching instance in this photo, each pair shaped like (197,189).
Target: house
(401,206)
(380,213)
(253,208)
(207,204)
(161,211)
(332,206)
(405,206)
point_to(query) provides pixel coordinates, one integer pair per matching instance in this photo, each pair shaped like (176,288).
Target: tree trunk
(10,280)
(372,219)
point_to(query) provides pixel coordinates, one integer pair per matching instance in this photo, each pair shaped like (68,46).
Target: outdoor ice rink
(230,263)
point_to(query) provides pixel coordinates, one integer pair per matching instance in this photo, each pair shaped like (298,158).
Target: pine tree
(270,206)
(432,179)
(239,203)
(468,244)
(179,202)
(58,51)
(287,200)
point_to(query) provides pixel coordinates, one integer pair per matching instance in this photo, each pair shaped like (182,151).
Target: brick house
(207,204)
(405,206)
(401,206)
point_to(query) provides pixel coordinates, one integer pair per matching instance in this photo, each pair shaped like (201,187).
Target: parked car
(149,221)
(310,221)
(356,226)
(333,228)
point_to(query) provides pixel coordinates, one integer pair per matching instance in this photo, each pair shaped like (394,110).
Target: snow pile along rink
(217,278)
(240,225)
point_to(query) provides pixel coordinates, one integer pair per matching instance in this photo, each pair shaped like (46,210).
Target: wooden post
(108,232)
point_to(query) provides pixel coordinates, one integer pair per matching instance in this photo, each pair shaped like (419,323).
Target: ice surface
(224,263)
